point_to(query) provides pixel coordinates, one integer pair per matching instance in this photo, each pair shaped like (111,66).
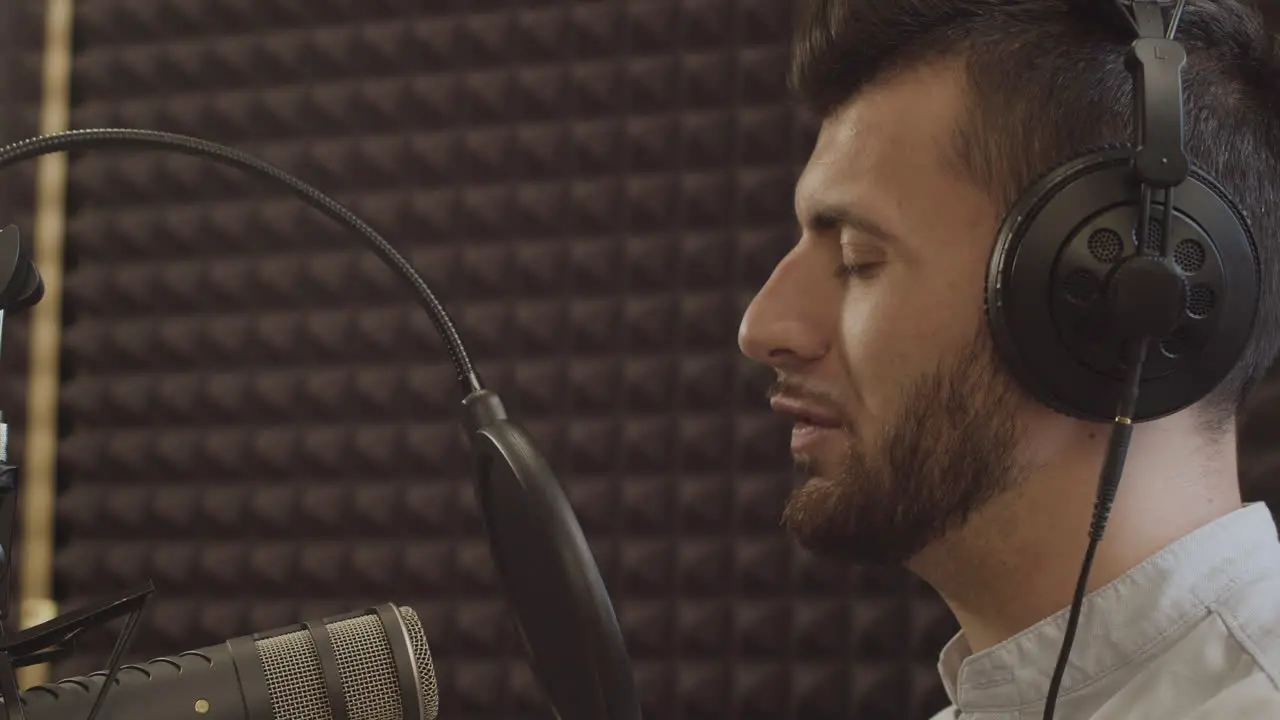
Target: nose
(789,323)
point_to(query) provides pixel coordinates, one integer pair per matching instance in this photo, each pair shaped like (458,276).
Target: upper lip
(804,412)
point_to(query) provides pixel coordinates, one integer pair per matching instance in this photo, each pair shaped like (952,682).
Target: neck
(1017,560)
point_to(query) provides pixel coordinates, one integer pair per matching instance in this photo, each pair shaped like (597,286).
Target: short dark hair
(1046,81)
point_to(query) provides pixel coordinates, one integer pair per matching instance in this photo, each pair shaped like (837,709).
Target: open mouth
(806,415)
(811,423)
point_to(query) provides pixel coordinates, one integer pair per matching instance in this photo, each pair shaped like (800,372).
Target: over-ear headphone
(1090,256)
(1108,303)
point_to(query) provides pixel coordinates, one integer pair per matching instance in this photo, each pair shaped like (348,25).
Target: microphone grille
(428,689)
(294,678)
(366,667)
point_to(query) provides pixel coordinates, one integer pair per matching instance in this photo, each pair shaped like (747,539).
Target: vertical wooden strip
(38,488)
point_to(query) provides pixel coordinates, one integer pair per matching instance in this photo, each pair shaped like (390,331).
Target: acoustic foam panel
(262,422)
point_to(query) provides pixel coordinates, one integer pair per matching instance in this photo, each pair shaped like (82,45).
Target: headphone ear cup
(1046,289)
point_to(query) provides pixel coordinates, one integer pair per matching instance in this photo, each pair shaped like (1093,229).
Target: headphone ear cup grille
(1189,256)
(1200,301)
(1151,244)
(1047,300)
(1106,245)
(1083,287)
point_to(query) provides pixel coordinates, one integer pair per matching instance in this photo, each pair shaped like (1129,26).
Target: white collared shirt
(1192,633)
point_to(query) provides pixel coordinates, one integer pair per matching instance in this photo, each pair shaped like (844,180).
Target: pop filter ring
(585,673)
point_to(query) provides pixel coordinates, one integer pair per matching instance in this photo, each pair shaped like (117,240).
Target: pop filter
(564,614)
(566,619)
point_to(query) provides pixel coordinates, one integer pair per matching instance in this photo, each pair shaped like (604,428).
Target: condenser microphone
(368,665)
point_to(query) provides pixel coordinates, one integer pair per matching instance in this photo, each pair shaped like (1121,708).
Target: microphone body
(368,665)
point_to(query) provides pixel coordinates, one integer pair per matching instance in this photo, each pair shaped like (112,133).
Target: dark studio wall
(259,419)
(262,421)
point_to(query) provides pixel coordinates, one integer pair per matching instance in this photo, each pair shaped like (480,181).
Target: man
(918,447)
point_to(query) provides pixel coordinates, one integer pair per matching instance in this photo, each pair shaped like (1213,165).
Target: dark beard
(949,450)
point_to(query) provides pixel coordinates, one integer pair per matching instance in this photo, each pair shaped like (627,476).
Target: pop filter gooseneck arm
(563,611)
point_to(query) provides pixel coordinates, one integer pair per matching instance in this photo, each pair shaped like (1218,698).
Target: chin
(810,467)
(809,484)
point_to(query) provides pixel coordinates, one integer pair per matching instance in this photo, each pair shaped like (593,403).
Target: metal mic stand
(21,288)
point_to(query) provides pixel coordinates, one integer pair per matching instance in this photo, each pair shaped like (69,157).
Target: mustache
(793,389)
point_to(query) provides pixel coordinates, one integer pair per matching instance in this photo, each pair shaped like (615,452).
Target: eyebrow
(830,215)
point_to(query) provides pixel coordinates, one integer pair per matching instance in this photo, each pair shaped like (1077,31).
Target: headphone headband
(1155,61)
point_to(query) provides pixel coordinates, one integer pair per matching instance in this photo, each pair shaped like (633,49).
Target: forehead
(891,144)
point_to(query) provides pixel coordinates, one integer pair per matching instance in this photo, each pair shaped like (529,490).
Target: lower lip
(805,437)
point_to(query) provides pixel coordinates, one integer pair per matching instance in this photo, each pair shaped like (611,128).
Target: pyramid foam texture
(260,420)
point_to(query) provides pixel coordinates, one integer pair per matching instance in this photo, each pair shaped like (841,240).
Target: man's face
(905,424)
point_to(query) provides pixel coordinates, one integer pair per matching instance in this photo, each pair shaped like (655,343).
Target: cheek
(938,301)
(882,340)
(901,326)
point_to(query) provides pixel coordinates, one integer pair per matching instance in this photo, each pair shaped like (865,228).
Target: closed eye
(860,271)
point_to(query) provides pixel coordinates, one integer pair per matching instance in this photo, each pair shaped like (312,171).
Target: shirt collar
(1119,621)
